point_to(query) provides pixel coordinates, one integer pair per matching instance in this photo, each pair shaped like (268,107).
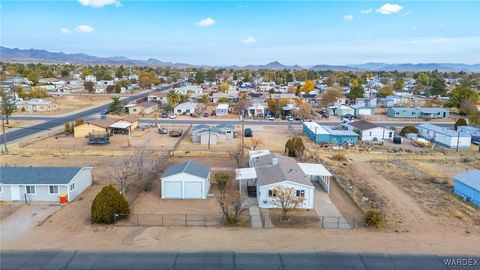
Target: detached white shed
(188,180)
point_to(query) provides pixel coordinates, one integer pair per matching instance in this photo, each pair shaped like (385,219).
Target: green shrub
(67,128)
(375,218)
(107,203)
(339,157)
(460,122)
(408,129)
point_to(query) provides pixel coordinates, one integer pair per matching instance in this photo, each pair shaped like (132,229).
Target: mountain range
(43,56)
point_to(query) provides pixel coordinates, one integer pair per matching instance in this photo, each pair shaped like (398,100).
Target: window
(370,133)
(1,189)
(53,190)
(390,134)
(30,190)
(397,113)
(72,186)
(272,193)
(300,193)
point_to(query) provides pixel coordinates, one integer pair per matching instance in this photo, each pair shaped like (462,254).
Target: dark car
(164,114)
(248,132)
(104,112)
(205,114)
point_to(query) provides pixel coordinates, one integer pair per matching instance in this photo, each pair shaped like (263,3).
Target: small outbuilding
(445,137)
(467,186)
(187,180)
(222,109)
(369,131)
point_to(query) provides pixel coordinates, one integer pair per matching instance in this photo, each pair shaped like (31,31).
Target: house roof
(443,131)
(469,178)
(363,125)
(186,105)
(38,175)
(105,123)
(223,106)
(287,169)
(190,167)
(147,104)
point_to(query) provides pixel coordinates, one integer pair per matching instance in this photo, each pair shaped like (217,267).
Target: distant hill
(43,56)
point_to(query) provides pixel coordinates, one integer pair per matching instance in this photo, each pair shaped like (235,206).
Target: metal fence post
(338,222)
(323,224)
(204,221)
(186,225)
(162,220)
(354,223)
(137,220)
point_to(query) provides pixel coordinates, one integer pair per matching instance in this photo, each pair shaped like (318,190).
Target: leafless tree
(287,200)
(233,204)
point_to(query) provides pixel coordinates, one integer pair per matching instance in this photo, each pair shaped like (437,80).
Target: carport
(120,128)
(246,180)
(317,172)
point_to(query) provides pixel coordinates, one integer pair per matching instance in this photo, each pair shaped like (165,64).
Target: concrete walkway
(255,218)
(266,216)
(24,220)
(331,217)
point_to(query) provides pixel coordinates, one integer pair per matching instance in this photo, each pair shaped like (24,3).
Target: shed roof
(38,175)
(363,125)
(443,131)
(190,167)
(469,178)
(314,169)
(105,123)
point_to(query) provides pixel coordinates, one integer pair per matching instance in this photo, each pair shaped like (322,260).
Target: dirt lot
(273,138)
(69,104)
(150,137)
(410,204)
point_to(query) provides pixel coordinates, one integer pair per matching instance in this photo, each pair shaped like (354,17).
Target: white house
(268,171)
(444,137)
(222,109)
(161,97)
(43,184)
(370,131)
(257,110)
(205,134)
(185,108)
(189,89)
(90,78)
(188,180)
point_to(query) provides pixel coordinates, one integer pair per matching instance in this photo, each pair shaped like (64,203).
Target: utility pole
(4,136)
(243,134)
(208,137)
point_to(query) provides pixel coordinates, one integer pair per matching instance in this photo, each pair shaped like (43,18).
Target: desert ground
(68,104)
(422,214)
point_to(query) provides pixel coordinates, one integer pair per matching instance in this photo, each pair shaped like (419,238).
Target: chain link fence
(182,220)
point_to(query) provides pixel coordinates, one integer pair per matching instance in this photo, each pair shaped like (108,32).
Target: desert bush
(221,179)
(339,157)
(107,203)
(66,128)
(408,129)
(79,122)
(375,218)
(460,122)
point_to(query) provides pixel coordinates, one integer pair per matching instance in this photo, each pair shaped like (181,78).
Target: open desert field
(68,104)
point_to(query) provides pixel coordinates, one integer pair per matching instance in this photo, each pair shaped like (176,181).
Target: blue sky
(255,32)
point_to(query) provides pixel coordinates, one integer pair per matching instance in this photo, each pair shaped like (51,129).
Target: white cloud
(64,30)
(100,3)
(249,40)
(84,28)
(388,9)
(348,17)
(205,22)
(366,11)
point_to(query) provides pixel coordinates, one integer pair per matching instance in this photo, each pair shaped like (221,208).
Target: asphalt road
(225,260)
(51,122)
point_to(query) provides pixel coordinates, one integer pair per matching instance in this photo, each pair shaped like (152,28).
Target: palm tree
(173,98)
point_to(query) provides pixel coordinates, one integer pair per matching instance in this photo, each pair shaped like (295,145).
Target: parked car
(164,115)
(173,116)
(193,115)
(104,112)
(271,118)
(290,118)
(205,114)
(162,130)
(248,132)
(284,117)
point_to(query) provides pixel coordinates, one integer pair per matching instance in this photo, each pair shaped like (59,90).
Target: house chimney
(274,161)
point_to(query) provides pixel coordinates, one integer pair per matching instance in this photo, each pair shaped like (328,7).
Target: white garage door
(173,190)
(193,190)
